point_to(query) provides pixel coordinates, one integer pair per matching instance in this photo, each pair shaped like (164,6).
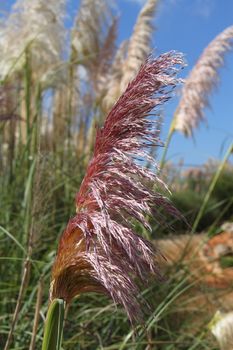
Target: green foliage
(39,179)
(92,321)
(189,203)
(189,198)
(54,325)
(223,193)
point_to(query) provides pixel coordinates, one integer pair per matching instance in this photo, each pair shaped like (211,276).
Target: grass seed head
(100,250)
(201,82)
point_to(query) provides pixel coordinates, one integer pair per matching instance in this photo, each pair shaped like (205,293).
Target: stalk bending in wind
(200,83)
(99,250)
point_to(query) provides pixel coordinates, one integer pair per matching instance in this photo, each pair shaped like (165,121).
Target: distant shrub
(189,196)
(189,202)
(223,193)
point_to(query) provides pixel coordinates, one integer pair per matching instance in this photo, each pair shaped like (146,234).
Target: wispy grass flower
(99,250)
(93,39)
(114,77)
(222,328)
(201,82)
(140,42)
(34,24)
(131,54)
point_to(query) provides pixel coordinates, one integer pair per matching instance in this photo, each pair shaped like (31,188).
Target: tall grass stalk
(27,90)
(27,223)
(28,205)
(23,286)
(167,143)
(26,106)
(37,313)
(28,230)
(36,126)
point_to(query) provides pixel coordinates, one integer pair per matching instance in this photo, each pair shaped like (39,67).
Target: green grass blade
(54,326)
(8,234)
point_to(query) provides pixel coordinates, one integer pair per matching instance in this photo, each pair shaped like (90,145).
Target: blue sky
(187,26)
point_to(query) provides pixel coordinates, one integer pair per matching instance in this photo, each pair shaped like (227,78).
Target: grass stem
(54,325)
(168,140)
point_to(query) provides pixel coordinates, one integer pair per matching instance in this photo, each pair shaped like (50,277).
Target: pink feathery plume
(99,250)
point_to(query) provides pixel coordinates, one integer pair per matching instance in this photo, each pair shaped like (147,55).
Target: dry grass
(201,82)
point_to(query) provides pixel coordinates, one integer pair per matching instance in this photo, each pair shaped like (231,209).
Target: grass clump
(50,104)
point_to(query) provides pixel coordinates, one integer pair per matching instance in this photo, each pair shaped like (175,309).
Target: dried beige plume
(201,82)
(130,55)
(92,52)
(222,328)
(85,40)
(106,57)
(38,26)
(114,77)
(140,42)
(93,38)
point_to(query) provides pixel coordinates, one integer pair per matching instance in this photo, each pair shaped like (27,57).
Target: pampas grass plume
(36,25)
(201,82)
(114,78)
(140,42)
(99,249)
(222,328)
(130,55)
